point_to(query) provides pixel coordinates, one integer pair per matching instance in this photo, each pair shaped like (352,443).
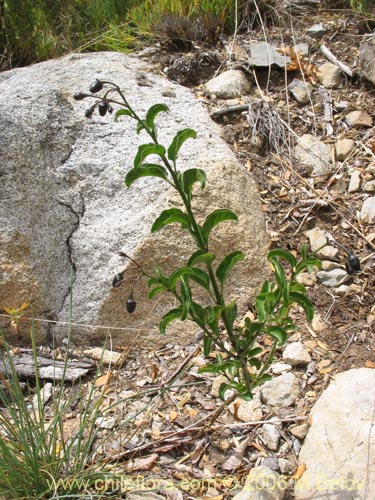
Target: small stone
(367,215)
(327,265)
(342,289)
(249,411)
(317,239)
(306,279)
(324,363)
(279,368)
(369,187)
(330,75)
(300,90)
(339,185)
(299,431)
(317,324)
(229,85)
(333,278)
(314,155)
(295,354)
(355,182)
(281,391)
(286,466)
(359,119)
(271,435)
(316,31)
(271,463)
(262,483)
(106,423)
(344,148)
(341,106)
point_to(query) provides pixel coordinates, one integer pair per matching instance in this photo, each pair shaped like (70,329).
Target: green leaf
(278,334)
(304,302)
(140,126)
(123,112)
(171,315)
(190,177)
(178,141)
(145,150)
(261,380)
(170,216)
(222,390)
(200,277)
(201,256)
(309,263)
(279,273)
(177,274)
(185,297)
(207,344)
(153,111)
(155,291)
(145,170)
(215,218)
(198,314)
(230,312)
(227,263)
(255,362)
(282,254)
(213,315)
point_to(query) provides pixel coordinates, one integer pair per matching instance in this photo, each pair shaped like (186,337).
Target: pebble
(327,265)
(333,278)
(282,391)
(306,279)
(343,148)
(317,239)
(369,187)
(262,483)
(279,368)
(300,90)
(249,411)
(316,31)
(229,85)
(330,75)
(286,466)
(271,463)
(355,182)
(367,215)
(359,119)
(299,431)
(314,155)
(271,434)
(295,354)
(317,324)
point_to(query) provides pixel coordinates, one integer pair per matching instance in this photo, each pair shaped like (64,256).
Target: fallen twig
(333,59)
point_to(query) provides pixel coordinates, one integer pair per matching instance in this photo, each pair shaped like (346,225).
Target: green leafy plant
(240,359)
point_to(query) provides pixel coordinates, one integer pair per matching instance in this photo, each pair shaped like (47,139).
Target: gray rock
(262,483)
(355,182)
(264,55)
(343,148)
(367,215)
(230,84)
(271,463)
(334,277)
(281,391)
(271,435)
(367,57)
(316,31)
(338,449)
(359,119)
(314,155)
(64,203)
(300,90)
(295,354)
(279,368)
(330,75)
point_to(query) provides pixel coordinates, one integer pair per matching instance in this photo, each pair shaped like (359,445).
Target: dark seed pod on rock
(131,304)
(103,108)
(352,265)
(117,280)
(89,112)
(96,86)
(79,96)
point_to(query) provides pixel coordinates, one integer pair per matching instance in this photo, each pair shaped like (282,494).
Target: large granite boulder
(66,214)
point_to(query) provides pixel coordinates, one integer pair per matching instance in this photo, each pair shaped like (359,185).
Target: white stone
(249,411)
(317,239)
(314,155)
(355,182)
(281,391)
(300,90)
(330,75)
(279,368)
(296,354)
(286,466)
(343,148)
(262,483)
(367,215)
(369,187)
(228,85)
(300,430)
(338,449)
